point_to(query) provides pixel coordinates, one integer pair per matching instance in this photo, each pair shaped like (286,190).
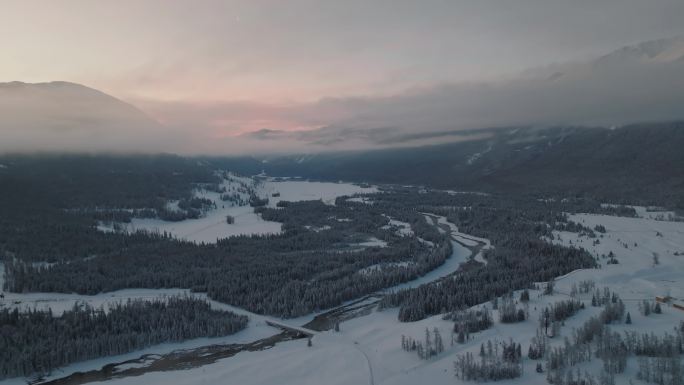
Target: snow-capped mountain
(659,51)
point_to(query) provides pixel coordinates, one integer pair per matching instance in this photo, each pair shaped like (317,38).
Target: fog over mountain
(63,116)
(640,83)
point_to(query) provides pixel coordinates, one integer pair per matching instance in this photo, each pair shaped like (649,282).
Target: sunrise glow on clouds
(218,70)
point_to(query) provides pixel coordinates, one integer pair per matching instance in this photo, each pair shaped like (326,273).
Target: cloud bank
(639,83)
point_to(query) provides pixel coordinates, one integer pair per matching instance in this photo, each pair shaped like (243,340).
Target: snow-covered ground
(286,363)
(60,302)
(372,242)
(317,228)
(654,213)
(402,228)
(294,191)
(368,350)
(213,224)
(211,227)
(473,158)
(634,241)
(242,366)
(657,213)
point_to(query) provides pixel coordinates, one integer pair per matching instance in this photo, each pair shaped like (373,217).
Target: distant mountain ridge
(632,163)
(637,163)
(661,50)
(637,83)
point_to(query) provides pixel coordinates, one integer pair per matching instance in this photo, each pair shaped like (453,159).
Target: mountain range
(547,135)
(636,163)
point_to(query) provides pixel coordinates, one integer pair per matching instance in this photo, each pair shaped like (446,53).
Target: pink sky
(240,66)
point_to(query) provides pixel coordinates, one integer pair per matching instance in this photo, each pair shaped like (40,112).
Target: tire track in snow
(371,379)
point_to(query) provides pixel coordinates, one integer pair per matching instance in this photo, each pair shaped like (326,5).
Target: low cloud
(636,84)
(62,116)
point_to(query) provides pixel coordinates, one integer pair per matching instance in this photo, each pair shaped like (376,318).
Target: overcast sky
(229,68)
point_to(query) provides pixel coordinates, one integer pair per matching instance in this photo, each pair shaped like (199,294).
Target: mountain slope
(67,116)
(638,83)
(662,50)
(638,163)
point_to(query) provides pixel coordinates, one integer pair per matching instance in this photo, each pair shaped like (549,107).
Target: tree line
(520,257)
(286,275)
(659,356)
(38,341)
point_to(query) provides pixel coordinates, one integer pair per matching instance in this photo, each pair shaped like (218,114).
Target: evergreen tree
(84,332)
(657,309)
(439,344)
(525,296)
(461,337)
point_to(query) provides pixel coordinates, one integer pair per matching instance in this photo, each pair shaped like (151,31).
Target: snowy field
(368,350)
(58,303)
(242,366)
(256,329)
(656,213)
(294,191)
(634,241)
(213,225)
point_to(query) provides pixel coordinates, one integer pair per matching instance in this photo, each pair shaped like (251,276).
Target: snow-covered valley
(213,224)
(258,329)
(368,347)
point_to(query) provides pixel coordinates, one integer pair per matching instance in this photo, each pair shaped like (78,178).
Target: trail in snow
(371,379)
